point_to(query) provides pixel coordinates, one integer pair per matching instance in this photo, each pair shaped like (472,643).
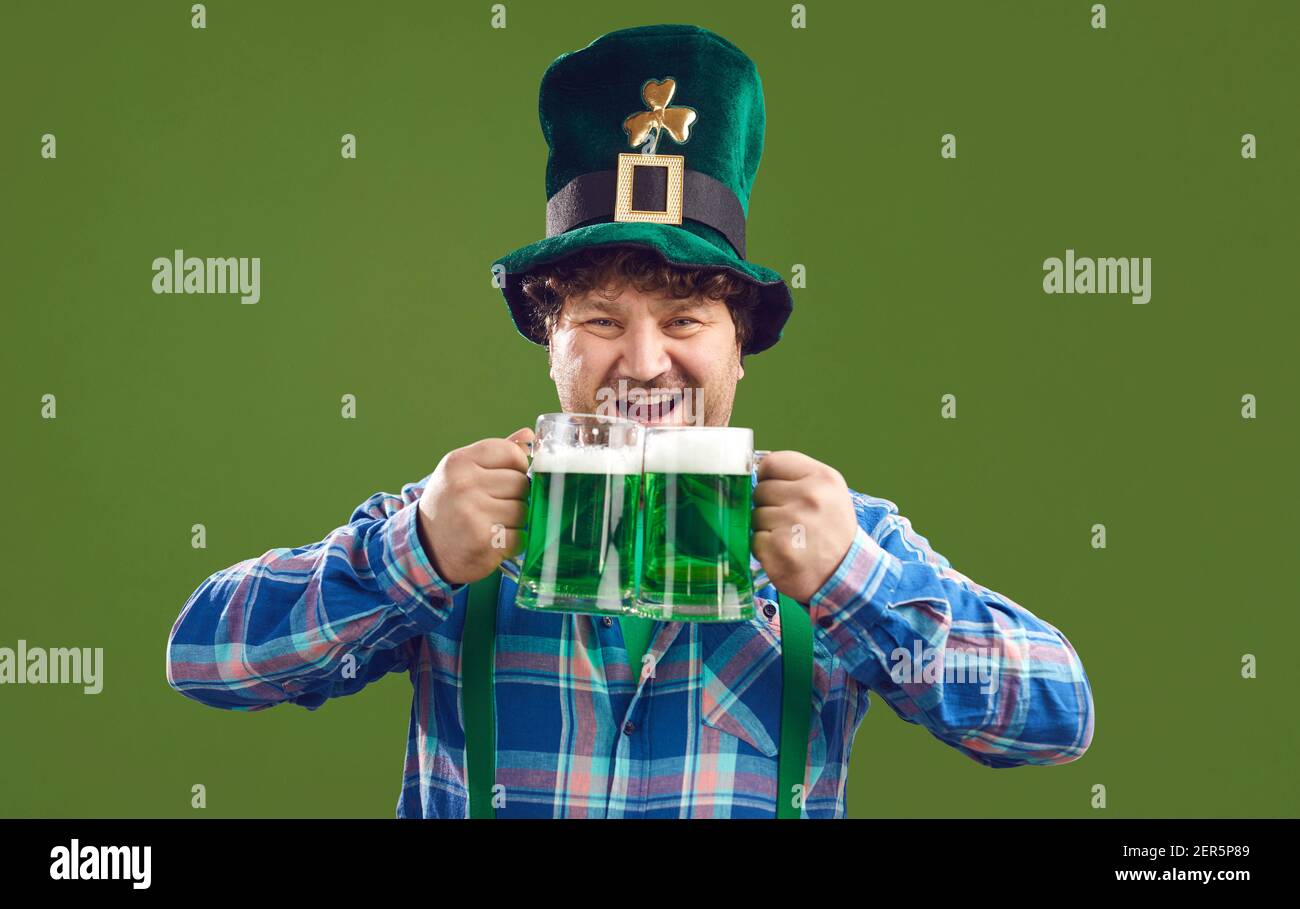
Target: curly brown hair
(548,286)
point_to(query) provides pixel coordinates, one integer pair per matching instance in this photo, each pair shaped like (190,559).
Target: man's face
(651,342)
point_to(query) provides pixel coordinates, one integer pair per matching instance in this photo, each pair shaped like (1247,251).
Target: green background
(924,279)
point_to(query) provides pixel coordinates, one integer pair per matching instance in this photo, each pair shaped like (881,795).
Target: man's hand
(475,506)
(804,522)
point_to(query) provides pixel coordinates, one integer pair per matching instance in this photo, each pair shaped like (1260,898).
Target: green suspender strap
(478,655)
(477,693)
(796,704)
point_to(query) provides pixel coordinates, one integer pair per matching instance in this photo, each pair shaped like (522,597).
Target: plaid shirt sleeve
(976,669)
(319,621)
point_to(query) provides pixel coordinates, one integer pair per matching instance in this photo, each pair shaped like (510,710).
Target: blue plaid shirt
(576,735)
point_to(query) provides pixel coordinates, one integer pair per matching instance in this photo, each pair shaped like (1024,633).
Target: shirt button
(826,621)
(769,610)
(606,621)
(629,727)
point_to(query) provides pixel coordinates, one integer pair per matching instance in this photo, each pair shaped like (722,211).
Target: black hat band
(589,198)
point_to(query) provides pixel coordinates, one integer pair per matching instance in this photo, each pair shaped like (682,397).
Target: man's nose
(645,353)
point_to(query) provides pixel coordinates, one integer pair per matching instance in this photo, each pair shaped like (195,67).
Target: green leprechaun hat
(655,134)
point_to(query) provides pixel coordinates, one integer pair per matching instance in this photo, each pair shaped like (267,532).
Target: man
(639,286)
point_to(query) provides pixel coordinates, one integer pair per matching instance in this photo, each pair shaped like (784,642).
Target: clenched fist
(804,522)
(474,508)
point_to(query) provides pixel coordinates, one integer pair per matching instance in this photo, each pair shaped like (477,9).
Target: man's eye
(596,321)
(685,320)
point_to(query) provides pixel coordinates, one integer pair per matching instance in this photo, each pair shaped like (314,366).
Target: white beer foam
(697,450)
(622,459)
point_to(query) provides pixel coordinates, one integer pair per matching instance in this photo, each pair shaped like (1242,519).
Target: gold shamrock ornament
(676,121)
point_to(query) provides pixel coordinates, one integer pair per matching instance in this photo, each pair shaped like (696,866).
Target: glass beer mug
(580,551)
(696,524)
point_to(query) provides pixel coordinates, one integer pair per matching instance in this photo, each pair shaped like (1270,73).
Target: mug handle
(759,578)
(528,451)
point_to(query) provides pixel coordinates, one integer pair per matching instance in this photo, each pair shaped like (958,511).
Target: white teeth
(664,400)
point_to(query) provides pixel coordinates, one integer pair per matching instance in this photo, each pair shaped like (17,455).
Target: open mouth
(649,408)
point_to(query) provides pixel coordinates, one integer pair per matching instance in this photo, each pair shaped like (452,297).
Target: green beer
(581,543)
(696,525)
